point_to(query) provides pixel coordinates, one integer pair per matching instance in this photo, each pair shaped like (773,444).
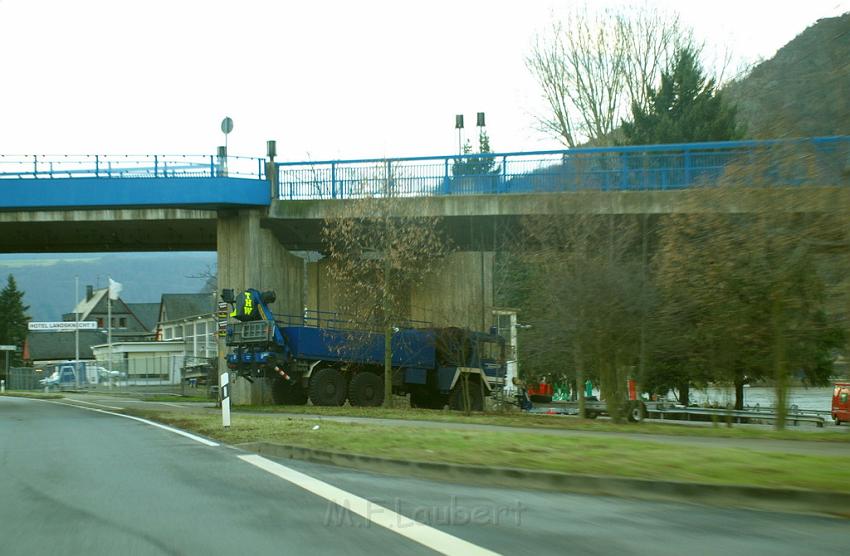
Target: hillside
(804,90)
(48,283)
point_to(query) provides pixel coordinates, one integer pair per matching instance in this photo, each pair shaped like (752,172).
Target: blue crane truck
(329,361)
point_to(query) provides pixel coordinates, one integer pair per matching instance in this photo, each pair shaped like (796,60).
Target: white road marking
(188,435)
(170,404)
(419,532)
(93,403)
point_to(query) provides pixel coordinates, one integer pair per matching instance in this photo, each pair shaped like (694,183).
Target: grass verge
(516,419)
(36,395)
(584,455)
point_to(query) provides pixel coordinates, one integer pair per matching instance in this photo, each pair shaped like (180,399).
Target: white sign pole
(224,388)
(109,327)
(76,331)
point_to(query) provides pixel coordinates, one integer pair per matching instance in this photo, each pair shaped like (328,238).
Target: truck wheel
(328,387)
(637,412)
(476,399)
(366,390)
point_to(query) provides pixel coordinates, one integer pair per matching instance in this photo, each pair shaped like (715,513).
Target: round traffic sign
(227,125)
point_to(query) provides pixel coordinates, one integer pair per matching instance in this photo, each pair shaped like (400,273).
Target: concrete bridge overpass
(145,203)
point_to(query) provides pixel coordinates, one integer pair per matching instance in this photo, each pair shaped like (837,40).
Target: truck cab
(841,402)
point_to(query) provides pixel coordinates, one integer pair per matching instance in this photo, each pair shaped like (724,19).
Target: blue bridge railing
(129,166)
(822,160)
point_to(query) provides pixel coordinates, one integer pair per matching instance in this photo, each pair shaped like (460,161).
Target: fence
(129,166)
(813,161)
(23,378)
(168,374)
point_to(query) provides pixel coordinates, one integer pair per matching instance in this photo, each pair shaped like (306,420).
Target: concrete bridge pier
(458,293)
(250,256)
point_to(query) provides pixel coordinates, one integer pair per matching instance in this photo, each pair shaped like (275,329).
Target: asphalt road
(74,481)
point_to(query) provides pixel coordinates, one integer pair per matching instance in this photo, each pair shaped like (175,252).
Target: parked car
(841,402)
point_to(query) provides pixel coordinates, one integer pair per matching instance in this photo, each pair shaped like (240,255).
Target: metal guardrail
(821,160)
(793,415)
(129,166)
(334,320)
(720,413)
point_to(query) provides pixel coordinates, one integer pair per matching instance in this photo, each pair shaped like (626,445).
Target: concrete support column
(458,293)
(249,256)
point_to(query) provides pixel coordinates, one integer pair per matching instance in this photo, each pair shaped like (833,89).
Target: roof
(147,313)
(176,306)
(86,306)
(43,346)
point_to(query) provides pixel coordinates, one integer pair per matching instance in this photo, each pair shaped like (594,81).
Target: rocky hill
(804,90)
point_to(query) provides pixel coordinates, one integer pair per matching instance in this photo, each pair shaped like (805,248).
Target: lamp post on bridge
(271,169)
(459,128)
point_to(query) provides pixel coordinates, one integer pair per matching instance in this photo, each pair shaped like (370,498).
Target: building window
(100,322)
(122,322)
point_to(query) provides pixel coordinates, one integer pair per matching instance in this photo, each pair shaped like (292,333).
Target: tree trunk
(780,372)
(388,366)
(388,337)
(684,393)
(739,393)
(579,378)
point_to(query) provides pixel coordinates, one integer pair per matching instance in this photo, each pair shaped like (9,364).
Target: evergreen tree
(476,165)
(13,318)
(686,108)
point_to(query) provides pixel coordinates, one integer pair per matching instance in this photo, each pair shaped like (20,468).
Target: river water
(803,398)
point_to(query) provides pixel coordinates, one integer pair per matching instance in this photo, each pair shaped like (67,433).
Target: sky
(326,79)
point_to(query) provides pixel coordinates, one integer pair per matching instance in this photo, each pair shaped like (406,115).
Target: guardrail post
(446,177)
(687,165)
(155,166)
(35,166)
(504,173)
(212,166)
(97,165)
(333,180)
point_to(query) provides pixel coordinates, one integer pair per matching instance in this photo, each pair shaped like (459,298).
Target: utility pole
(459,127)
(76,332)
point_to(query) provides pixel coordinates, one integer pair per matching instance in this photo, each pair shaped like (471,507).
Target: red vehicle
(841,402)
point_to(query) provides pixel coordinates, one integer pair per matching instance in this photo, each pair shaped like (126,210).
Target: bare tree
(650,38)
(210,278)
(378,250)
(592,65)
